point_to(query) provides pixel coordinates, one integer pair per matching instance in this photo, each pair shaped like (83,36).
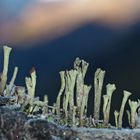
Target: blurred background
(49,35)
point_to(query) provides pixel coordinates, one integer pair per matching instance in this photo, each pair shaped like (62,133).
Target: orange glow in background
(48,20)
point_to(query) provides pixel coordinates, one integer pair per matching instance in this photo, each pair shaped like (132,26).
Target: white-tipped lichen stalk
(110,89)
(125,98)
(133,106)
(3,81)
(116,114)
(62,76)
(98,84)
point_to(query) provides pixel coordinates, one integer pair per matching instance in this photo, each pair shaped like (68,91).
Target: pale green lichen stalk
(31,85)
(45,107)
(11,84)
(110,88)
(125,98)
(105,104)
(58,101)
(70,79)
(83,109)
(133,106)
(81,66)
(116,115)
(3,77)
(98,84)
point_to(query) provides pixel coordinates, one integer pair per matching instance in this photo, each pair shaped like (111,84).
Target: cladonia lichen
(71,106)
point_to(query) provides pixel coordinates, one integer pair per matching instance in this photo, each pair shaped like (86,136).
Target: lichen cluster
(71,104)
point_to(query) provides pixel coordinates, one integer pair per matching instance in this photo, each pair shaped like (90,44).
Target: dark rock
(16,125)
(11,124)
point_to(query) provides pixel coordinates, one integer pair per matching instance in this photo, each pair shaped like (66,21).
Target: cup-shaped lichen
(133,106)
(70,79)
(110,88)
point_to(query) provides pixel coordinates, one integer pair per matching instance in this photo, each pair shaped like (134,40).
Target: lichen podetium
(70,108)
